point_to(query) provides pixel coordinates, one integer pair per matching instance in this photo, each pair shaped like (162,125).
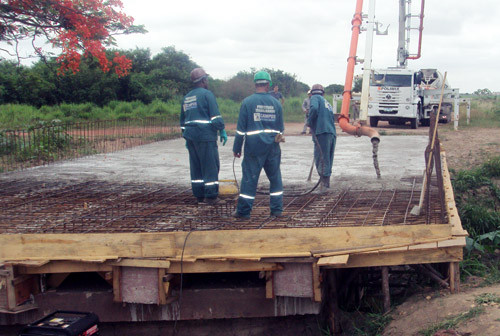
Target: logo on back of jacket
(328,106)
(190,103)
(264,113)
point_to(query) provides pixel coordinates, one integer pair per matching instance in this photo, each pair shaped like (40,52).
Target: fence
(43,144)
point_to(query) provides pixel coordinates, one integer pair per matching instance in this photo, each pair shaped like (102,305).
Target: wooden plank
(152,263)
(454,270)
(213,266)
(162,291)
(452,211)
(200,266)
(31,263)
(385,289)
(334,260)
(372,248)
(214,244)
(65,267)
(269,285)
(423,246)
(445,254)
(460,241)
(117,293)
(9,288)
(316,275)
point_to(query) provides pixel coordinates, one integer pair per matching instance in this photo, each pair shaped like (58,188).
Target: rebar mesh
(103,207)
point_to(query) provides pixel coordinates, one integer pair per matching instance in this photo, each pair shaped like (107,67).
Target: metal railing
(55,141)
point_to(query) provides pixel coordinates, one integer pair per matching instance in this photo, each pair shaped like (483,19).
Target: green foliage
(487,298)
(334,89)
(478,202)
(371,324)
(453,321)
(482,92)
(484,110)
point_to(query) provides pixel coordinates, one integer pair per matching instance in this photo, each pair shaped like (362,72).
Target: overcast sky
(311,38)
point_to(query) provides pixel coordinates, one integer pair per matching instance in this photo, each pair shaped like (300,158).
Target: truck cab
(394,97)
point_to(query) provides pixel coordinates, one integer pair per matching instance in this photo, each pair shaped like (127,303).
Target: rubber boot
(326,181)
(324,184)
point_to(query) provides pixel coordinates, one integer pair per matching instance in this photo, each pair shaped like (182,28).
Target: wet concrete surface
(166,162)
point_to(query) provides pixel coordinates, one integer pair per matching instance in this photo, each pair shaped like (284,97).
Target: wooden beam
(63,266)
(213,266)
(30,263)
(10,292)
(338,260)
(117,293)
(152,263)
(445,254)
(454,276)
(316,277)
(376,248)
(460,241)
(200,266)
(269,285)
(452,212)
(385,288)
(162,291)
(231,244)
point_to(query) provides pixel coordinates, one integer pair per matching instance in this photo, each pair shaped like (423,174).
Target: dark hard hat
(317,89)
(197,75)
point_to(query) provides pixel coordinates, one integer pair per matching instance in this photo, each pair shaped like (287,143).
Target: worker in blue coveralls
(260,126)
(200,120)
(322,124)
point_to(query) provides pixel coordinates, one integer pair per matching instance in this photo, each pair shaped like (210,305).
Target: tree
(334,89)
(482,92)
(78,28)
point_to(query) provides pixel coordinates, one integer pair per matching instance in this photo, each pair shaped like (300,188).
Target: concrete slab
(167,162)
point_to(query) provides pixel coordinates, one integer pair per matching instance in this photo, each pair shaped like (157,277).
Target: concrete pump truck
(400,95)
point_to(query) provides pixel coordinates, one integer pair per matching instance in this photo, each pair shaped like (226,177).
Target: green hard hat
(262,77)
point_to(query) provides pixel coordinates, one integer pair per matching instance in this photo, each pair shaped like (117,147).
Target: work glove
(223,137)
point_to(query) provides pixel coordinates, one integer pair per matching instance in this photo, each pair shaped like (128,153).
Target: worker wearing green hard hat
(262,77)
(260,127)
(200,120)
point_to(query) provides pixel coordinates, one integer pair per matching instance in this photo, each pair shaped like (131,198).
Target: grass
(487,298)
(484,112)
(452,322)
(14,116)
(373,324)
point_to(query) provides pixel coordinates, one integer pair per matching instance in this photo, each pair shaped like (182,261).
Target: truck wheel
(373,121)
(414,122)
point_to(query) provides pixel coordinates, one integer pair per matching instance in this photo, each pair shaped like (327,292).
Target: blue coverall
(259,121)
(200,120)
(322,124)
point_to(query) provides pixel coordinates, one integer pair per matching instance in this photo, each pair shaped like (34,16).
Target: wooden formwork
(144,268)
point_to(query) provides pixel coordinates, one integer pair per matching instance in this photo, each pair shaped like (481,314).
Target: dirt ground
(465,149)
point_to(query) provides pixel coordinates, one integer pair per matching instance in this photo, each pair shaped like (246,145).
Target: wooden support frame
(385,288)
(454,274)
(238,244)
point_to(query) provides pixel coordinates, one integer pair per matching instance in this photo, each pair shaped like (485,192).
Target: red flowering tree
(76,27)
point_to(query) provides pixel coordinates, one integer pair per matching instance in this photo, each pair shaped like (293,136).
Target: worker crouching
(321,121)
(200,120)
(260,126)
